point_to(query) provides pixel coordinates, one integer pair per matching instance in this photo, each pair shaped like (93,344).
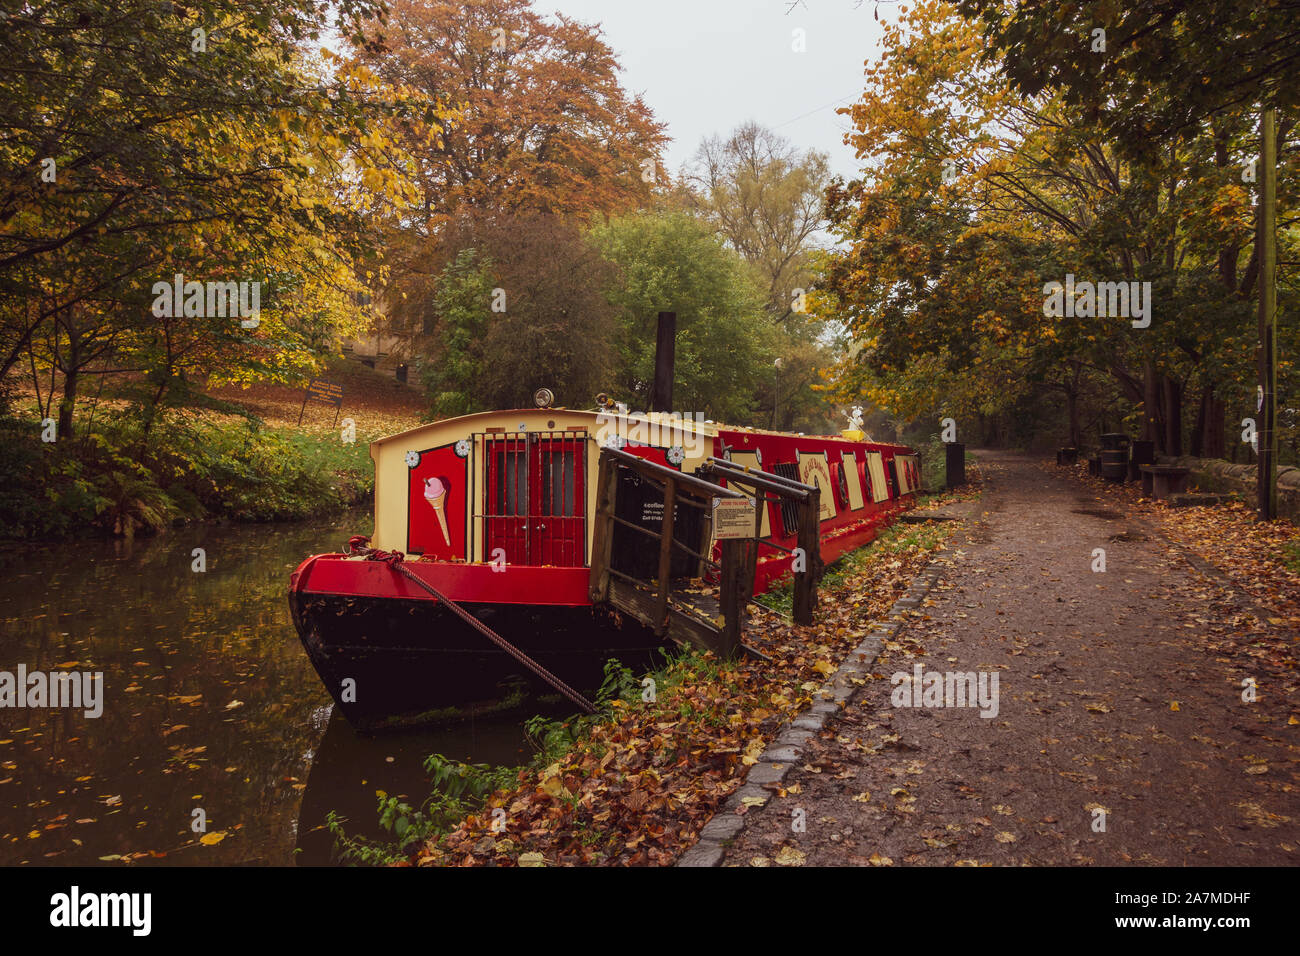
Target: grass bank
(193,465)
(235,453)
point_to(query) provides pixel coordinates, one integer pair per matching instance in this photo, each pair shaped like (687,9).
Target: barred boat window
(557,488)
(789,509)
(512,494)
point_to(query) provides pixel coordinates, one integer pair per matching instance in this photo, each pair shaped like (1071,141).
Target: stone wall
(1216,475)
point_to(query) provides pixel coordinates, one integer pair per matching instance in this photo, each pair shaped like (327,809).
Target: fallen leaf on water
(212,839)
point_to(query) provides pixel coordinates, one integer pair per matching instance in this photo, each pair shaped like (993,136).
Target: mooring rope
(356,545)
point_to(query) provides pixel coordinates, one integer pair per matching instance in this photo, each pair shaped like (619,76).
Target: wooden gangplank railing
(767,487)
(654,603)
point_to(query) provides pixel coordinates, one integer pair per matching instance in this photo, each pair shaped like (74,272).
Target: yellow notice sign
(733,518)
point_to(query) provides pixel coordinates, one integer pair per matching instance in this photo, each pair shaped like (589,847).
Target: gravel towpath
(1119,705)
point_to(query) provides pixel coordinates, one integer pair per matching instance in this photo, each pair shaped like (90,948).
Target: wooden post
(805,582)
(732,592)
(1266,429)
(602,532)
(666,555)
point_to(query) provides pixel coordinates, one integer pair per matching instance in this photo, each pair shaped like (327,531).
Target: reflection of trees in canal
(208,700)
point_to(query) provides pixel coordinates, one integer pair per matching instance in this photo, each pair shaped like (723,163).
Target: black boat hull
(390,662)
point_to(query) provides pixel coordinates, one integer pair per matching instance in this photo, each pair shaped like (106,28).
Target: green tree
(463,306)
(521,306)
(726,343)
(767,200)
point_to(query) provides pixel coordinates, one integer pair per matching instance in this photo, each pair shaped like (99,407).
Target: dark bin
(1114,464)
(1114,456)
(955,464)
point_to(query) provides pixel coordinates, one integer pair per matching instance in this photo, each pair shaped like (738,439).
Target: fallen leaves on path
(638,789)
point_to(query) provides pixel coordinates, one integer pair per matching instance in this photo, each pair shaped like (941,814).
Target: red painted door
(536,508)
(505,519)
(561,503)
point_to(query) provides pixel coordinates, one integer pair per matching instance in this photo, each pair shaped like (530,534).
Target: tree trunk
(69,403)
(1207,437)
(1172,407)
(71,377)
(1151,430)
(1072,406)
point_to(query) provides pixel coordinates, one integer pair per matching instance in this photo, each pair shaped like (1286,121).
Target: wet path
(1120,703)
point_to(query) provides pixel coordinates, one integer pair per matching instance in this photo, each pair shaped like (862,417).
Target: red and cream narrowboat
(494,511)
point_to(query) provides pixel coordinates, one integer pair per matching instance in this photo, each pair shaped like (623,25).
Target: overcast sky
(705,66)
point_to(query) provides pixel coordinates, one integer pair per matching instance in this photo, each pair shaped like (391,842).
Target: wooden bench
(1161,481)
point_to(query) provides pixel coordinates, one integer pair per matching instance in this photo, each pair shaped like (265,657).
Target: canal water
(211,710)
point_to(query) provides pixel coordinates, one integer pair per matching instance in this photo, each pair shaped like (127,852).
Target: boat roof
(684,423)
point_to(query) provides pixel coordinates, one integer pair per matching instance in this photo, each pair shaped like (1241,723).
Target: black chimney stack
(661,396)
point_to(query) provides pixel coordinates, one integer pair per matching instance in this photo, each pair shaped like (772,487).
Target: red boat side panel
(437,495)
(473,583)
(850,527)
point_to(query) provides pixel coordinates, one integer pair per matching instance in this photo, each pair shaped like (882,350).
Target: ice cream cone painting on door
(435,504)
(435,493)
